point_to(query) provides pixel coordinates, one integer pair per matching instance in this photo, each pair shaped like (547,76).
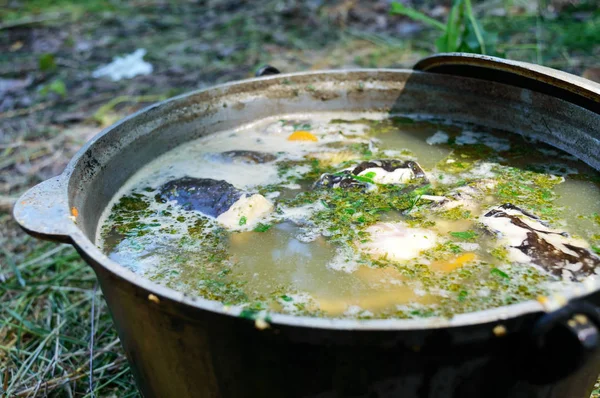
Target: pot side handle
(43,211)
(561,342)
(559,84)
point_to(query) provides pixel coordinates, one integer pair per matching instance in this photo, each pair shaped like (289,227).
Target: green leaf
(363,179)
(249,313)
(370,174)
(467,235)
(401,9)
(287,298)
(243,220)
(261,227)
(596,249)
(454,248)
(46,62)
(57,86)
(500,273)
(462,295)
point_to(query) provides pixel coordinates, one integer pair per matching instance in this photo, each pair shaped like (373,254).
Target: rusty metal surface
(188,346)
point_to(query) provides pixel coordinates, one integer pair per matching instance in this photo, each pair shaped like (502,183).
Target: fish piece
(246,212)
(385,171)
(531,240)
(396,241)
(251,157)
(469,197)
(342,179)
(208,196)
(231,207)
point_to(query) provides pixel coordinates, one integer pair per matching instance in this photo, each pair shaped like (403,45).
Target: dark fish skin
(208,196)
(249,156)
(542,252)
(390,165)
(344,180)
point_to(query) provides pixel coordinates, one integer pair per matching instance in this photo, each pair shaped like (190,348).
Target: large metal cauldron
(181,346)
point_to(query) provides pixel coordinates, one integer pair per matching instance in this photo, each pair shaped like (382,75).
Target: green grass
(53,324)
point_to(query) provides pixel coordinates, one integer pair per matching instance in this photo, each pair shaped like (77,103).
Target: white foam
(439,137)
(344,261)
(496,143)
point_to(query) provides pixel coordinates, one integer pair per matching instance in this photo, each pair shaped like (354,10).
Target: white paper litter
(125,67)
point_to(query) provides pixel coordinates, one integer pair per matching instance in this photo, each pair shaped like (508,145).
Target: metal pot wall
(184,346)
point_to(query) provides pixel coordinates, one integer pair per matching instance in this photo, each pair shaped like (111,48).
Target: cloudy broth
(359,216)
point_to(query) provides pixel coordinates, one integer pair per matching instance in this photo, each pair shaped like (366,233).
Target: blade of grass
(475,25)
(14,267)
(27,364)
(401,9)
(449,40)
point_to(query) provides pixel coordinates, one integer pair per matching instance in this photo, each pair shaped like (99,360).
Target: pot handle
(43,211)
(562,341)
(568,87)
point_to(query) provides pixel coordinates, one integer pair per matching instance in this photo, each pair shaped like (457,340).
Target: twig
(109,106)
(26,111)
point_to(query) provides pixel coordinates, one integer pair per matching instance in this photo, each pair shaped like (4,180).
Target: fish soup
(359,216)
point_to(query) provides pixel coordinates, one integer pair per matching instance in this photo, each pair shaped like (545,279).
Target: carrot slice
(302,135)
(451,265)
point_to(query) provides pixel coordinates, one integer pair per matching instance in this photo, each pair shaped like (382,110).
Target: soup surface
(359,216)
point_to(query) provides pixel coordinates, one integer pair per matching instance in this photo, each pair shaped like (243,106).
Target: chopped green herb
(243,220)
(249,313)
(462,295)
(262,227)
(287,298)
(467,235)
(370,174)
(500,273)
(363,179)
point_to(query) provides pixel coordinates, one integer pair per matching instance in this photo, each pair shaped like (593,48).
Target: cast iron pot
(182,346)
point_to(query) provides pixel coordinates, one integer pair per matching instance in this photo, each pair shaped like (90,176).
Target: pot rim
(498,314)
